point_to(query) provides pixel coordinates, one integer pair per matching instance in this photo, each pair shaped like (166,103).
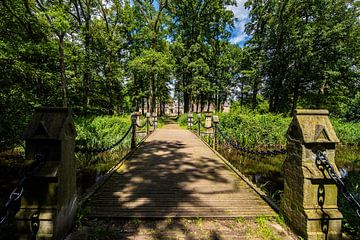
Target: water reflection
(266,171)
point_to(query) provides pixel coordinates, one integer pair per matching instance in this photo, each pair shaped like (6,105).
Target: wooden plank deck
(174,174)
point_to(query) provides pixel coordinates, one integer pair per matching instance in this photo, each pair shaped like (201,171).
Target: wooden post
(147,123)
(215,121)
(309,201)
(199,123)
(133,136)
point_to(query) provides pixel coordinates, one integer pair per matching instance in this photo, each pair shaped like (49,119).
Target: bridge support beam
(309,201)
(48,205)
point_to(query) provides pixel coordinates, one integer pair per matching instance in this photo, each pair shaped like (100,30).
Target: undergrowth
(253,129)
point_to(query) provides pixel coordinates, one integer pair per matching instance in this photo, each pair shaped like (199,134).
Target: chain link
(322,160)
(16,194)
(235,145)
(141,126)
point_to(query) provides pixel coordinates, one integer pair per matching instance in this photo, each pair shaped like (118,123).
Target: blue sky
(238,35)
(241,15)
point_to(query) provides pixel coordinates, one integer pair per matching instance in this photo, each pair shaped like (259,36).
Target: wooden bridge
(174,174)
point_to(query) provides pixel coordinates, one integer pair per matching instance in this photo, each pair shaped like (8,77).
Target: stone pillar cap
(50,123)
(312,126)
(311,112)
(215,119)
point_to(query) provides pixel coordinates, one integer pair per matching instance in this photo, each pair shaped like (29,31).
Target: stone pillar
(137,114)
(199,123)
(309,201)
(215,121)
(208,122)
(190,120)
(48,206)
(134,117)
(154,115)
(147,123)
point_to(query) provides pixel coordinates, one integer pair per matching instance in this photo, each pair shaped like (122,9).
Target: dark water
(92,168)
(266,171)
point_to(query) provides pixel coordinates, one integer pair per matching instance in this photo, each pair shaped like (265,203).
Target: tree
(305,50)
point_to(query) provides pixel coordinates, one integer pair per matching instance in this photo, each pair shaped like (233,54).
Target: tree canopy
(114,56)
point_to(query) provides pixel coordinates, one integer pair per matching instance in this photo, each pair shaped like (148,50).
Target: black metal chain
(103,149)
(235,145)
(16,194)
(141,126)
(324,161)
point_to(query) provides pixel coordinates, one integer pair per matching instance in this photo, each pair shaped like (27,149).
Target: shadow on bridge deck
(175,175)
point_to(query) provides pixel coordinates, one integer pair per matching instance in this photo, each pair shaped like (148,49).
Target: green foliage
(353,110)
(351,221)
(102,131)
(348,133)
(305,52)
(252,129)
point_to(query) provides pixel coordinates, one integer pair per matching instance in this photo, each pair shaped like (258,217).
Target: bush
(102,131)
(252,129)
(353,111)
(348,133)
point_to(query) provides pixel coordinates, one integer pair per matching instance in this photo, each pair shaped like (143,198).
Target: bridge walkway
(174,174)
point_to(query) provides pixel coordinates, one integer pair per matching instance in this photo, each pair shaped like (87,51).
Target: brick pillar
(309,201)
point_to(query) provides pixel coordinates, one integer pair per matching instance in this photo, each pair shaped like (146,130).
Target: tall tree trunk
(87,72)
(242,94)
(178,106)
(142,106)
(62,70)
(109,79)
(186,102)
(254,95)
(296,96)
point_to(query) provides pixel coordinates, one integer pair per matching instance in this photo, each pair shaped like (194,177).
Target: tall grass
(347,132)
(101,131)
(253,129)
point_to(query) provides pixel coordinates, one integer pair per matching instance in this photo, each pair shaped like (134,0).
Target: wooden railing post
(215,122)
(199,123)
(309,201)
(147,123)
(133,136)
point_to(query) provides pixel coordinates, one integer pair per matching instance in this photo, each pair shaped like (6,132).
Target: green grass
(263,229)
(265,130)
(101,131)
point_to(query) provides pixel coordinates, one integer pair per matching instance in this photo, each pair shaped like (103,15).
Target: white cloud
(241,16)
